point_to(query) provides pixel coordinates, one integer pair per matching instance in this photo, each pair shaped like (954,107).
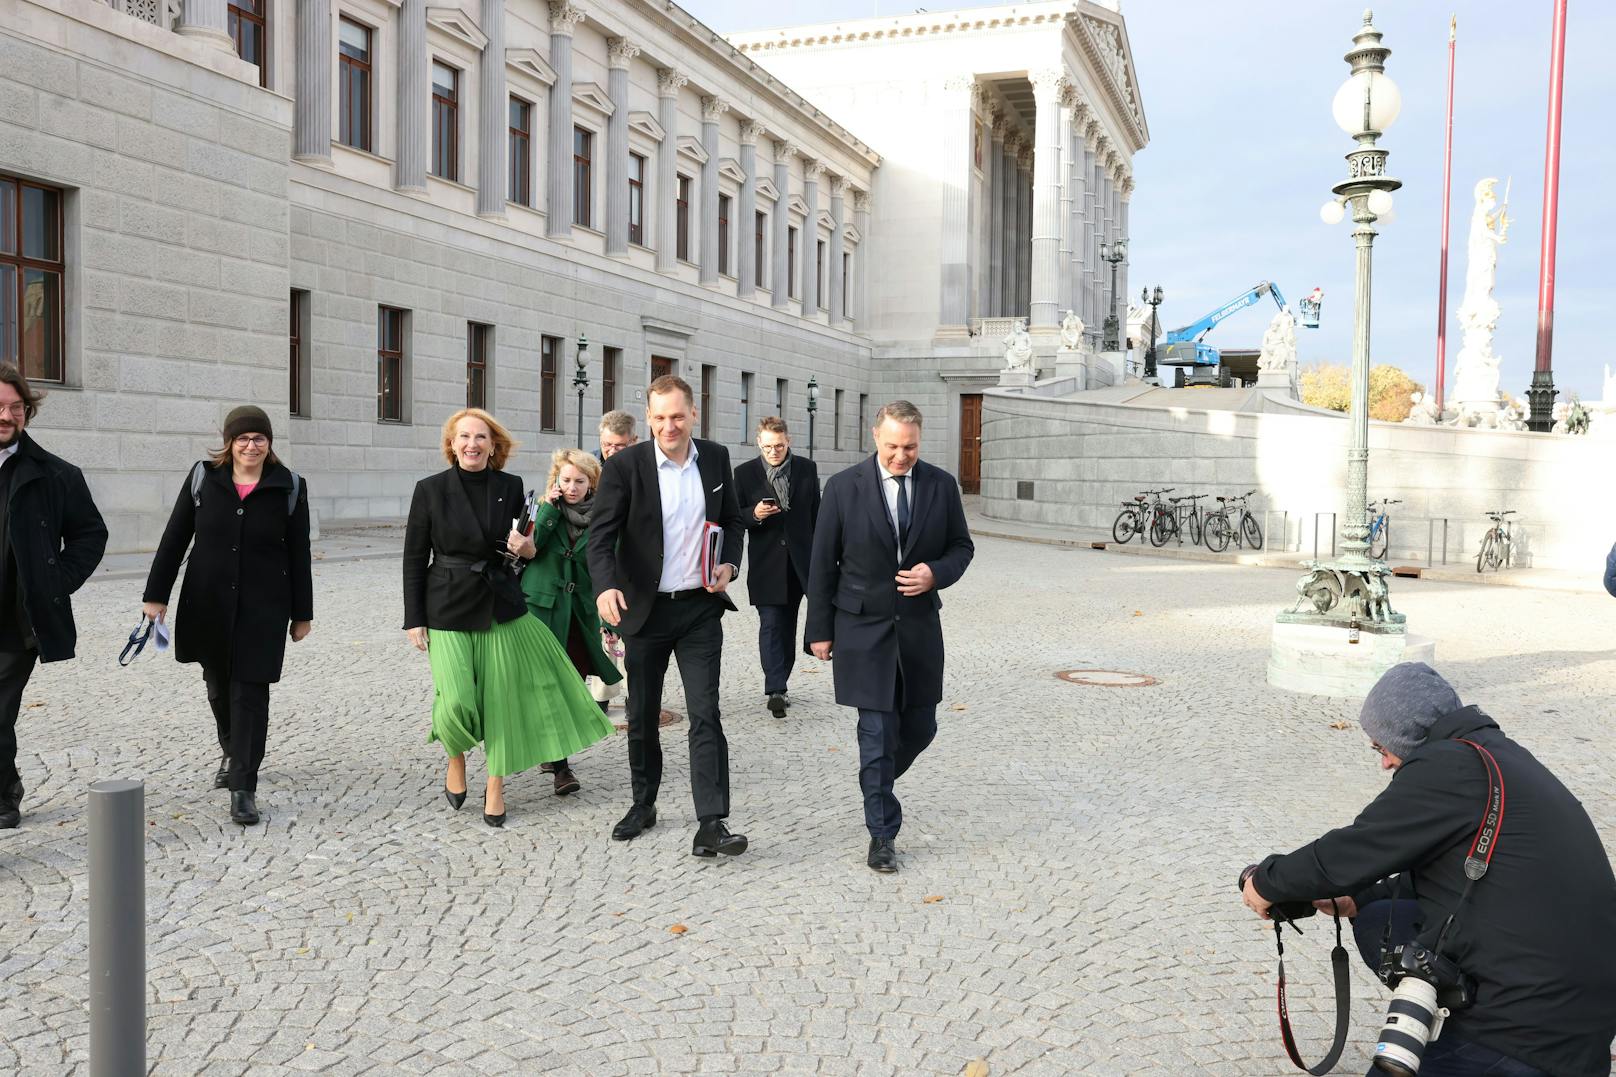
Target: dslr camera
(1426,988)
(1287,911)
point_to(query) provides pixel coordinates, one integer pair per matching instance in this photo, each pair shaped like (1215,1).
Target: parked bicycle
(1178,519)
(1496,544)
(1138,514)
(1233,520)
(1380,529)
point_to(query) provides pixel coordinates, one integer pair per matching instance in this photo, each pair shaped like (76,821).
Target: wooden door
(970,446)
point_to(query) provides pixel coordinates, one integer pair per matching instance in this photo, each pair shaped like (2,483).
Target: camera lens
(1412,1021)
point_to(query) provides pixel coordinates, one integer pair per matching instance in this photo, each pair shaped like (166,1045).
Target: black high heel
(454,799)
(492,820)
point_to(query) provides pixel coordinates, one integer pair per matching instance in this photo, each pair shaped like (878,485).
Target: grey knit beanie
(1403,705)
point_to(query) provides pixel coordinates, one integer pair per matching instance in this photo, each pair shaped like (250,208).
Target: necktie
(903,511)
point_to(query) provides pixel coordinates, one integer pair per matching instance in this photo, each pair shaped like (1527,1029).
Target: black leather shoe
(639,819)
(243,808)
(777,704)
(566,782)
(11,806)
(454,799)
(713,837)
(883,856)
(221,777)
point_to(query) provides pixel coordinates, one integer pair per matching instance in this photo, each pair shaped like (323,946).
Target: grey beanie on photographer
(1403,705)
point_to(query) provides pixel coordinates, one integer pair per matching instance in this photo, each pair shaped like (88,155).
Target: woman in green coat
(556,582)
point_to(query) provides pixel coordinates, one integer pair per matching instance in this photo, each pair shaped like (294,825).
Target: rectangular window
(610,360)
(549,363)
(247,31)
(819,276)
(746,408)
(354,75)
(661,366)
(864,401)
(390,365)
(709,385)
(636,199)
(583,153)
(847,285)
(479,349)
(445,121)
(681,221)
(791,262)
(31,272)
(724,202)
(296,402)
(782,393)
(520,187)
(762,227)
(836,422)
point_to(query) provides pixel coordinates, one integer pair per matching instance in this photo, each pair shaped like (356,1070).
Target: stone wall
(1084,458)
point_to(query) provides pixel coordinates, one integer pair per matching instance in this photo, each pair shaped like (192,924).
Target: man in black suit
(653,509)
(779,494)
(891,534)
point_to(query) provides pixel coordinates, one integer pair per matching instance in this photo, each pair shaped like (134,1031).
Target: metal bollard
(117,929)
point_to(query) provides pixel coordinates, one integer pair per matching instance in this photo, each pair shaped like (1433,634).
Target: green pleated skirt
(512,689)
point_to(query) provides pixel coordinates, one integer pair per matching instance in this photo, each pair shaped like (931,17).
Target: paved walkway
(1066,905)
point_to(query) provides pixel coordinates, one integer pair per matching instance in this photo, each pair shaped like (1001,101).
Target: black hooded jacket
(1539,930)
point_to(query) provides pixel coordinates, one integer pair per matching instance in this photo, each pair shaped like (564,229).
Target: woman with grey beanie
(244,516)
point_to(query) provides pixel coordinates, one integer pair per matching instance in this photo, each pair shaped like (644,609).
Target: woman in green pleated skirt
(499,677)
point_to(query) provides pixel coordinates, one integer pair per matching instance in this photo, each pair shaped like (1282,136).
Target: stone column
(564,16)
(1024,235)
(1108,288)
(834,251)
(954,164)
(619,54)
(1078,165)
(746,228)
(1124,193)
(811,171)
(993,301)
(414,95)
(669,83)
(492,114)
(209,21)
(1043,285)
(1007,238)
(311,123)
(1096,230)
(861,287)
(783,154)
(712,108)
(1063,284)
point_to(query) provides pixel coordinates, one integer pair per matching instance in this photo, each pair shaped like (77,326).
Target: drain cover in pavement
(1106,678)
(666,718)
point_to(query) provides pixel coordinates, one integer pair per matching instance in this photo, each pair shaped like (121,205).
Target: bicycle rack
(1284,532)
(1430,540)
(1317,516)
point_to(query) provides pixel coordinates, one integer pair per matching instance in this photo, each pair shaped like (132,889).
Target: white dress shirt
(684,519)
(8,452)
(889,488)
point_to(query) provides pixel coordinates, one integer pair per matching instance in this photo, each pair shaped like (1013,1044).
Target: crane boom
(1197,329)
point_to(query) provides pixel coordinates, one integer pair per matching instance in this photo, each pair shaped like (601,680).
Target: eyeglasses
(17,409)
(251,441)
(1382,752)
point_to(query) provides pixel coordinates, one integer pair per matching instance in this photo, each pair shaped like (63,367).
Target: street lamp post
(813,408)
(1350,590)
(580,381)
(1116,253)
(1154,298)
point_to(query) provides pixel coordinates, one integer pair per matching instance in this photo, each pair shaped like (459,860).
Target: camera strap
(1482,846)
(1343,1000)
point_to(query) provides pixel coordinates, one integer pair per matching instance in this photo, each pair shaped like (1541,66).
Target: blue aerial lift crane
(1184,346)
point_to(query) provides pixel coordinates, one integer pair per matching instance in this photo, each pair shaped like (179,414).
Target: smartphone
(775,502)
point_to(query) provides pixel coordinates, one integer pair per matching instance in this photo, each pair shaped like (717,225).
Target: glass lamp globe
(1331,212)
(1380,203)
(1383,98)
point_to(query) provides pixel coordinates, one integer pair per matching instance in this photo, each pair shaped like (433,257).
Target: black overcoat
(625,532)
(57,537)
(1538,931)
(853,598)
(784,539)
(249,576)
(443,525)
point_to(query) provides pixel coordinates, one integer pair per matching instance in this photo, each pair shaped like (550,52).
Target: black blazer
(444,524)
(250,574)
(853,599)
(783,541)
(625,531)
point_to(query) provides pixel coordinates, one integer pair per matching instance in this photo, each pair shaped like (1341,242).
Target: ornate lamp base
(1541,397)
(1342,634)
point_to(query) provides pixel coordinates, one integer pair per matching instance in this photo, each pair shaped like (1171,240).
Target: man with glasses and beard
(41,564)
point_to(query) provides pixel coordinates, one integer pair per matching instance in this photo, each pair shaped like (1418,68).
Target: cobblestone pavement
(1066,904)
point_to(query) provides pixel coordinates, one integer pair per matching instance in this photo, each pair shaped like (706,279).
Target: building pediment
(592,96)
(796,205)
(729,168)
(691,147)
(645,124)
(767,189)
(851,234)
(532,64)
(458,25)
(1105,44)
(826,221)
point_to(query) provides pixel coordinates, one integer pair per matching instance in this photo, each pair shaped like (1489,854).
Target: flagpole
(1447,191)
(1542,393)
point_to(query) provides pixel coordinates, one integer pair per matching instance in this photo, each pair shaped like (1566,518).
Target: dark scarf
(576,517)
(780,479)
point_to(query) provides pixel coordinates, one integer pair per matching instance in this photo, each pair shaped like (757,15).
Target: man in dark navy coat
(891,534)
(779,495)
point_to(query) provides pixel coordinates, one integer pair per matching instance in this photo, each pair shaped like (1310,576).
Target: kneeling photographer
(1476,884)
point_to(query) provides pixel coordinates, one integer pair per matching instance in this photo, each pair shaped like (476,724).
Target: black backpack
(200,468)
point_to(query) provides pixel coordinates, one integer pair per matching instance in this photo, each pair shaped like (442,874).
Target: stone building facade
(362,214)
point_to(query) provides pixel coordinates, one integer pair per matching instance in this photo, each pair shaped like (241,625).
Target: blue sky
(1243,152)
